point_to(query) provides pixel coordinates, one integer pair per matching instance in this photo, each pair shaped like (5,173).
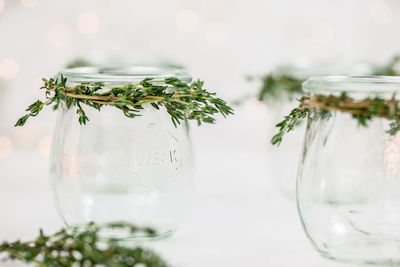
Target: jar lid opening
(352,84)
(123,74)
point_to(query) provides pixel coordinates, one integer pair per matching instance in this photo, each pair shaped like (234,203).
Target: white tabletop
(238,218)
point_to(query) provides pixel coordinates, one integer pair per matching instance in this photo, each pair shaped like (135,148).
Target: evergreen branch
(181,100)
(82,247)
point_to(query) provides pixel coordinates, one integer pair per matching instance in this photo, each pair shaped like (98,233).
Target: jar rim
(114,74)
(352,84)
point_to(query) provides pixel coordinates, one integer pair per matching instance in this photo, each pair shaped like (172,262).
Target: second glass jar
(349,177)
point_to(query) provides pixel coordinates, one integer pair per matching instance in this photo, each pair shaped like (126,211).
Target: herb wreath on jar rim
(182,100)
(363,110)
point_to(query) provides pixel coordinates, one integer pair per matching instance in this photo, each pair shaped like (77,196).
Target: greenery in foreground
(73,247)
(181,100)
(362,111)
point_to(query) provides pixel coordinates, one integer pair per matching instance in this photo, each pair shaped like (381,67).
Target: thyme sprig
(388,69)
(274,84)
(289,122)
(81,247)
(181,100)
(361,110)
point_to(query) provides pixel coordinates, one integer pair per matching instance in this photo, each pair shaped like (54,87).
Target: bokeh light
(59,35)
(255,110)
(24,136)
(216,33)
(187,21)
(45,146)
(392,156)
(8,68)
(322,32)
(1,5)
(6,147)
(30,3)
(74,167)
(381,12)
(88,23)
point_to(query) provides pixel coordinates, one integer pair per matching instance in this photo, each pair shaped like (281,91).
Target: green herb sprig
(289,122)
(361,110)
(82,247)
(181,100)
(389,69)
(275,83)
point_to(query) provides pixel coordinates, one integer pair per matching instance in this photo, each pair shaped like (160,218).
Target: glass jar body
(118,169)
(348,189)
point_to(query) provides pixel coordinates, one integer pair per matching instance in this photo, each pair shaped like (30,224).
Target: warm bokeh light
(392,156)
(255,110)
(8,68)
(59,35)
(322,32)
(187,21)
(74,167)
(380,12)
(216,33)
(70,164)
(6,147)
(23,136)
(30,3)
(88,23)
(45,146)
(1,5)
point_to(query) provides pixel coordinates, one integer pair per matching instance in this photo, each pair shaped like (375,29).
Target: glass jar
(282,161)
(348,187)
(118,169)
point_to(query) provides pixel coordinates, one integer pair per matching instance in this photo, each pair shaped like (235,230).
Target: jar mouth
(352,84)
(123,74)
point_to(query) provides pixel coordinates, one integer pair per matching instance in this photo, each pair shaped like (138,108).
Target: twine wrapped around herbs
(382,108)
(181,100)
(362,110)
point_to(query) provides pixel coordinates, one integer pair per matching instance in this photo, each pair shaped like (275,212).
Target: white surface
(238,218)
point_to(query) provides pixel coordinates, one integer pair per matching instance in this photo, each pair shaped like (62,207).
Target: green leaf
(21,121)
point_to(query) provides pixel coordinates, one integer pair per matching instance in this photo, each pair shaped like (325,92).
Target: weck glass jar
(118,169)
(348,188)
(282,161)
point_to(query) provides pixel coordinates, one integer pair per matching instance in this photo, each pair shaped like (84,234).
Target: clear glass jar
(118,169)
(348,187)
(282,161)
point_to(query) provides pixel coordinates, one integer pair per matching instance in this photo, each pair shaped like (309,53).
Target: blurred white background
(238,218)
